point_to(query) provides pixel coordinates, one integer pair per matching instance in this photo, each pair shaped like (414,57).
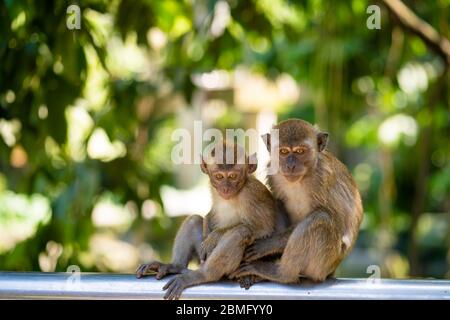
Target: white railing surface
(38,285)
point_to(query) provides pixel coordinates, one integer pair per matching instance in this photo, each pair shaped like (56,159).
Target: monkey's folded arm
(209,243)
(211,240)
(268,246)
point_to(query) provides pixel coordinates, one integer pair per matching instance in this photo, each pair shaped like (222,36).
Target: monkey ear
(252,163)
(322,139)
(203,165)
(266,139)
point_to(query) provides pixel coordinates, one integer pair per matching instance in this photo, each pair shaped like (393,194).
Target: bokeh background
(86,118)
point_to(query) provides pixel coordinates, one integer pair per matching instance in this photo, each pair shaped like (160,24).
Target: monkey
(243,210)
(323,204)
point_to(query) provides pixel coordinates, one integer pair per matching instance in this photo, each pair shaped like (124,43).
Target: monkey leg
(224,259)
(261,248)
(273,245)
(187,245)
(313,251)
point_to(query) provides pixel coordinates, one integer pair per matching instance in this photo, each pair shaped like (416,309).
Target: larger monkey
(322,202)
(243,210)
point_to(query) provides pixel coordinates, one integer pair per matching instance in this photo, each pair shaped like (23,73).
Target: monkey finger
(168,294)
(138,268)
(141,268)
(251,255)
(148,268)
(173,294)
(140,272)
(160,274)
(246,285)
(244,282)
(177,293)
(173,291)
(243,270)
(155,266)
(169,283)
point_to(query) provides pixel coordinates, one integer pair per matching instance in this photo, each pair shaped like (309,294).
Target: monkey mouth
(227,195)
(292,177)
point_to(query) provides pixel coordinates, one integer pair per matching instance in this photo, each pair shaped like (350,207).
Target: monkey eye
(300,150)
(218,176)
(284,151)
(232,176)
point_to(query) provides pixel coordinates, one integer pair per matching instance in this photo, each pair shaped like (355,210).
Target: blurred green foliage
(381,94)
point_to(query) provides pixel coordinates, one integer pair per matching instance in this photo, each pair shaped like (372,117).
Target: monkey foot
(174,287)
(247,281)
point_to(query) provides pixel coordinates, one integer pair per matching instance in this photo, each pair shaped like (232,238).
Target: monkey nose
(291,167)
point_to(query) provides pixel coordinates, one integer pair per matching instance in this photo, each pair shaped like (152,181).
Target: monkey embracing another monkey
(243,210)
(322,202)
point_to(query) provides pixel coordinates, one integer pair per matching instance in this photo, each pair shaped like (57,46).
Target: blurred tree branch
(410,21)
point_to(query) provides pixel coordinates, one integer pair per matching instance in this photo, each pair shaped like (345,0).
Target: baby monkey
(243,210)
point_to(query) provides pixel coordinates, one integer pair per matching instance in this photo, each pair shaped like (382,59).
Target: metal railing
(37,285)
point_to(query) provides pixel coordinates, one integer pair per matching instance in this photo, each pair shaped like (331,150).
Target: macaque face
(228,181)
(296,159)
(297,149)
(228,167)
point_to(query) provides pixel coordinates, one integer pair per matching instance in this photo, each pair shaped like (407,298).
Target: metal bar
(37,285)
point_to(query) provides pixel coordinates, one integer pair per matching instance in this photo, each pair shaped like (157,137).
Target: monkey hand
(259,249)
(208,245)
(147,269)
(161,269)
(174,287)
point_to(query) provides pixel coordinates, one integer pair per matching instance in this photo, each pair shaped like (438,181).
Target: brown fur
(324,207)
(219,240)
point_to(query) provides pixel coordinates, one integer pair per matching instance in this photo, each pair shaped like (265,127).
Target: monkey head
(228,167)
(297,148)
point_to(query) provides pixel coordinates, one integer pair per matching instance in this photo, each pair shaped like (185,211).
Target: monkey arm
(266,270)
(312,251)
(211,241)
(282,218)
(186,245)
(206,229)
(268,246)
